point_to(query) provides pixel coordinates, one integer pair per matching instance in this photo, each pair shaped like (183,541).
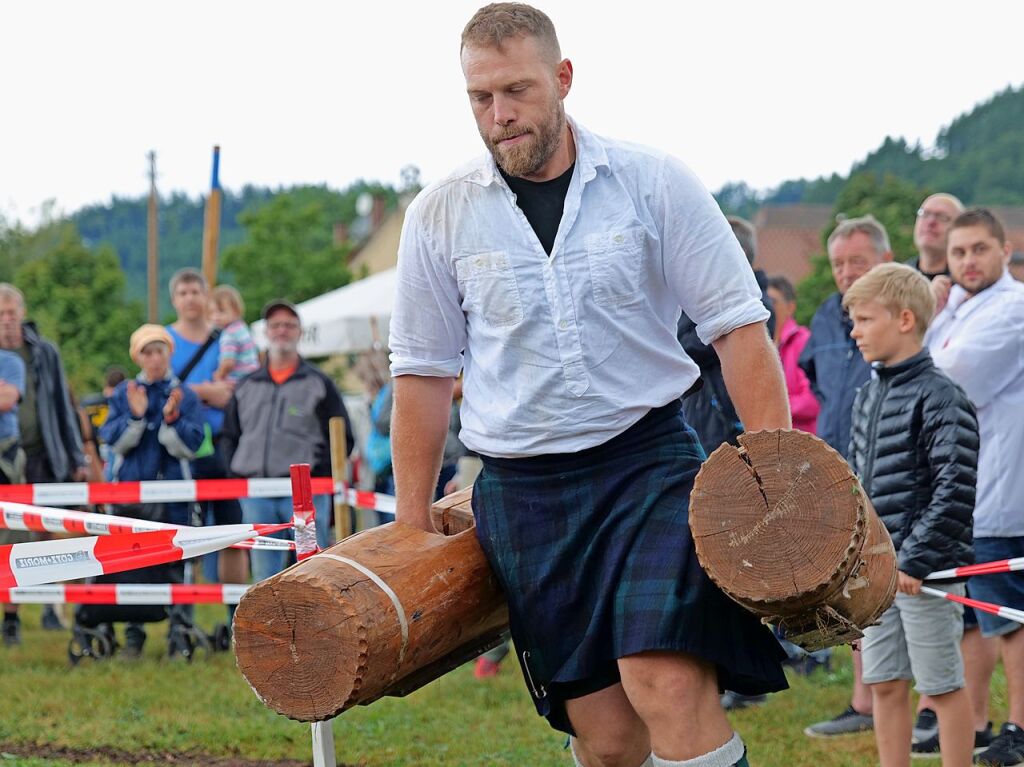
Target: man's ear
(564,76)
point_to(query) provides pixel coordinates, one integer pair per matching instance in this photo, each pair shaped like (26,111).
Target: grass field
(157,712)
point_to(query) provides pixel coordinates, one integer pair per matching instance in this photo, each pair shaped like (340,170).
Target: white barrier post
(323,744)
(304,518)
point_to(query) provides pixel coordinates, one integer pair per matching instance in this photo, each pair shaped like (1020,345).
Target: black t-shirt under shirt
(542,203)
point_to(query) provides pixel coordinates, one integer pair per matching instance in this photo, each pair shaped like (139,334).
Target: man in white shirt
(552,271)
(978,340)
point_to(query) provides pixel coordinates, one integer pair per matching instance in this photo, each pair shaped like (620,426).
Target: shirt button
(563,325)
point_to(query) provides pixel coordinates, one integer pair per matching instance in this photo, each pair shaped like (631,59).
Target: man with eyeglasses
(933,219)
(280,415)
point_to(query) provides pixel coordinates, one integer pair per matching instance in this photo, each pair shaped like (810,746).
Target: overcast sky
(314,92)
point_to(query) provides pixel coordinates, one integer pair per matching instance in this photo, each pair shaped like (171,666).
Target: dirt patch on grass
(119,756)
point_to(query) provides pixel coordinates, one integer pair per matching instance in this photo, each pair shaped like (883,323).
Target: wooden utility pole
(211,223)
(152,244)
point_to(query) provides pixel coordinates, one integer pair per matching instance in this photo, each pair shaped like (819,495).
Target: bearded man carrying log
(552,270)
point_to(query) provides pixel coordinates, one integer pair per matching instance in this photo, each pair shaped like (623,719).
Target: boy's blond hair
(225,295)
(896,287)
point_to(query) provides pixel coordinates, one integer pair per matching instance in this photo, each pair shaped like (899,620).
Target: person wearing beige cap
(154,426)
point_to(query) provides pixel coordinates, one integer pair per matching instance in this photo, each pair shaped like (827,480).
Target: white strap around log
(402,622)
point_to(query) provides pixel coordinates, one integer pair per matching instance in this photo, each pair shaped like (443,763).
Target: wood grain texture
(323,635)
(780,523)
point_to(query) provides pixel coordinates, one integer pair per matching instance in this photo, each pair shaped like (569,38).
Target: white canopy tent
(350,319)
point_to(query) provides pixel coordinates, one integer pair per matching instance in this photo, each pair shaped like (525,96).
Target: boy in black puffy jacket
(914,443)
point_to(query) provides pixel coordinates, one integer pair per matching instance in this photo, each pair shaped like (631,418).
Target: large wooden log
(783,526)
(381,613)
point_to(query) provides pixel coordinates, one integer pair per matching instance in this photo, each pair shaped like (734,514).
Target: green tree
(76,297)
(288,250)
(891,200)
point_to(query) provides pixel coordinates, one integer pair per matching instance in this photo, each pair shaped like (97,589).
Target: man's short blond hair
(896,287)
(493,24)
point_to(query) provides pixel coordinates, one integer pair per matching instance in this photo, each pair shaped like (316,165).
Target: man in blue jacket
(836,370)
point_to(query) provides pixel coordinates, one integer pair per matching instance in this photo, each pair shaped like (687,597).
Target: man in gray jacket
(279,416)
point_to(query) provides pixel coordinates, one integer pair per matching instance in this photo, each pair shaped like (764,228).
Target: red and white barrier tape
(18,516)
(66,559)
(1003,612)
(175,491)
(983,568)
(125,594)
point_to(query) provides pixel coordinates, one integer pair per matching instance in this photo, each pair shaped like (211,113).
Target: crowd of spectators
(201,405)
(915,374)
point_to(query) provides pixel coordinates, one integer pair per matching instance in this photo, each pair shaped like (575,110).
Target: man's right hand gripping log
(552,271)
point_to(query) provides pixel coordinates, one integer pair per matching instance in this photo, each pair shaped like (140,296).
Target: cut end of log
(778,522)
(315,640)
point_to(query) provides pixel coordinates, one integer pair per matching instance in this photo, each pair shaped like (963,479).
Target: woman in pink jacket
(791,338)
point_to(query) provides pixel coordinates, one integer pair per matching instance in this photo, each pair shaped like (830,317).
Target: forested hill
(121,223)
(979,157)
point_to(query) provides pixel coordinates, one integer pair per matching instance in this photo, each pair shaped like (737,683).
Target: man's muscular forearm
(419,425)
(754,379)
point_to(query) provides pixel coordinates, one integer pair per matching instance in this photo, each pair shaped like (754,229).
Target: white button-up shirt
(563,353)
(979,343)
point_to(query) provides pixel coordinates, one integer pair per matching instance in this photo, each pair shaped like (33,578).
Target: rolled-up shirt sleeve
(428,325)
(703,261)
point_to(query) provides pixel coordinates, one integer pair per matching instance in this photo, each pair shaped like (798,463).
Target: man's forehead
(939,203)
(964,235)
(856,244)
(511,58)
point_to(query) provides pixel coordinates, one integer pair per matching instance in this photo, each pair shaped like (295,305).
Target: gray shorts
(917,639)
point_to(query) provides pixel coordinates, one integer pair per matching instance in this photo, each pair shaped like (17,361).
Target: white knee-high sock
(575,757)
(724,756)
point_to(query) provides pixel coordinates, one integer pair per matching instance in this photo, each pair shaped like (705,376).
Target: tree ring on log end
(294,649)
(778,523)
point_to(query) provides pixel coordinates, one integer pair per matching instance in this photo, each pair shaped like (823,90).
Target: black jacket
(914,444)
(58,421)
(835,370)
(708,408)
(269,426)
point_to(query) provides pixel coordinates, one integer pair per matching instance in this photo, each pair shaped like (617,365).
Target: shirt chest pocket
(489,289)
(615,260)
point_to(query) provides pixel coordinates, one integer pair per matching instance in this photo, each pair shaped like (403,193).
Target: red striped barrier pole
(182,490)
(987,607)
(40,519)
(303,512)
(66,559)
(125,594)
(983,568)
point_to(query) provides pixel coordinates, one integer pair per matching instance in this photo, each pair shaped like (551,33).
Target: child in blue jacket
(154,426)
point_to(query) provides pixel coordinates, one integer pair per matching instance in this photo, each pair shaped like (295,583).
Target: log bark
(380,613)
(780,523)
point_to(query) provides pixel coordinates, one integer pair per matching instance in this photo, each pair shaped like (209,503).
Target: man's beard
(528,157)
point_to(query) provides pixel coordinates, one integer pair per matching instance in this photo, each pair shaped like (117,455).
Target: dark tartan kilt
(594,553)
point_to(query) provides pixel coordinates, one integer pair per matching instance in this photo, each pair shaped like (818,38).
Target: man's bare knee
(670,677)
(608,731)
